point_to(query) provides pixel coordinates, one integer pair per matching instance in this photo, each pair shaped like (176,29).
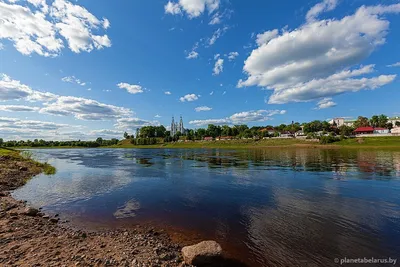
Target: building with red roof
(364,130)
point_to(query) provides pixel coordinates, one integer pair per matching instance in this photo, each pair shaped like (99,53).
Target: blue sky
(82,69)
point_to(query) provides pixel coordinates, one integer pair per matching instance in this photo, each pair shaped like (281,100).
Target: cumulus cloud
(325,103)
(133,123)
(84,109)
(189,98)
(172,8)
(14,90)
(218,67)
(131,88)
(212,92)
(202,108)
(324,6)
(18,125)
(192,8)
(397,64)
(18,108)
(316,60)
(73,79)
(264,38)
(167,93)
(232,55)
(241,118)
(44,29)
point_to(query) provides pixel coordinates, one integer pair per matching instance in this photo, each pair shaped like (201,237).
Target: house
(270,130)
(393,120)
(300,133)
(379,130)
(364,130)
(286,134)
(224,138)
(337,121)
(341,121)
(208,138)
(395,131)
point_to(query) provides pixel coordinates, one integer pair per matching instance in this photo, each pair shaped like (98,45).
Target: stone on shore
(203,253)
(31,211)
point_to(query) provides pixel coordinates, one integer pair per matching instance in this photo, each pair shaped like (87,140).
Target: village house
(393,120)
(270,130)
(379,130)
(341,121)
(224,138)
(364,130)
(208,138)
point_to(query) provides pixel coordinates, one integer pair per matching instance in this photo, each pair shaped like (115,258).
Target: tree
(382,121)
(1,141)
(126,136)
(389,126)
(397,123)
(361,122)
(345,130)
(99,141)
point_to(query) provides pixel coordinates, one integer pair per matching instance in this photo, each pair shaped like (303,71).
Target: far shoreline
(358,143)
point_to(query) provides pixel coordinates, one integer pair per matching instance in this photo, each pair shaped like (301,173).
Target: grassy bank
(17,167)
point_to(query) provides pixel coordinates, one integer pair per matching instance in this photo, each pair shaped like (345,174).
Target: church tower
(180,127)
(173,127)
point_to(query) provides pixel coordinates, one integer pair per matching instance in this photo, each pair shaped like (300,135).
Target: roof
(379,128)
(364,129)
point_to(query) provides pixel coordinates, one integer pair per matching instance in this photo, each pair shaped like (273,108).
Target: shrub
(328,139)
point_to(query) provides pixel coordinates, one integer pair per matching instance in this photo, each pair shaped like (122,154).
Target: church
(175,127)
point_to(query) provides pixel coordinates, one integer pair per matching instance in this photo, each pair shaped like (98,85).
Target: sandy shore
(31,238)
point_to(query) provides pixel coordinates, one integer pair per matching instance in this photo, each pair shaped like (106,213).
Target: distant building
(208,138)
(270,130)
(393,120)
(175,127)
(364,130)
(341,121)
(378,130)
(396,131)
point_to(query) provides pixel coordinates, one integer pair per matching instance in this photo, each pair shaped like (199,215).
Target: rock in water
(203,253)
(31,211)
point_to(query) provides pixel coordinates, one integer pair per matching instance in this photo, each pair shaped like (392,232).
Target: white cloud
(131,88)
(216,19)
(233,55)
(216,35)
(84,109)
(18,108)
(189,98)
(192,55)
(168,93)
(14,90)
(325,103)
(202,108)
(1,46)
(193,8)
(312,61)
(157,116)
(264,38)
(324,6)
(73,79)
(172,8)
(34,30)
(397,64)
(224,93)
(200,123)
(218,67)
(335,84)
(14,125)
(133,123)
(241,118)
(212,92)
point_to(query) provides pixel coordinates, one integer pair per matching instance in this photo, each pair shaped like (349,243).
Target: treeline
(42,143)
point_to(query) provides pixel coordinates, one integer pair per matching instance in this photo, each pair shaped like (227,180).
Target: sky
(86,69)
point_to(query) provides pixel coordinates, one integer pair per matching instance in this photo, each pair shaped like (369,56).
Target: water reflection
(275,207)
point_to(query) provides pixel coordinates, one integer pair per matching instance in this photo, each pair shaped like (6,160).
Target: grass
(387,141)
(27,156)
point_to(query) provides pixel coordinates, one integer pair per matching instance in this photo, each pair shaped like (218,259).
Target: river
(267,207)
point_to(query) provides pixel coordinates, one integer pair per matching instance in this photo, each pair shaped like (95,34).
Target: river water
(270,207)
